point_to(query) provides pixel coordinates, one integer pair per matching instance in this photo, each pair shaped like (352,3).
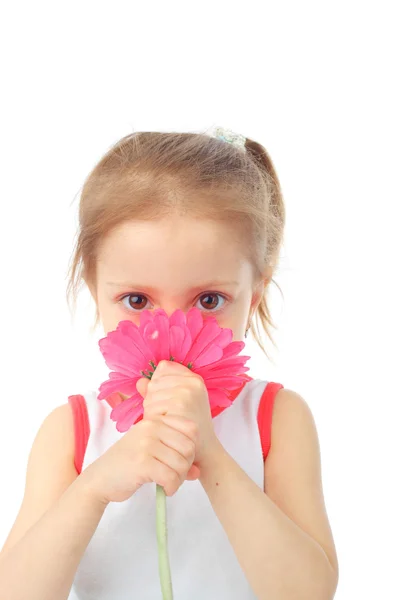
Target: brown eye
(135,301)
(211,301)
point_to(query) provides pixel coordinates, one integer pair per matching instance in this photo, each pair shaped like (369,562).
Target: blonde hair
(150,175)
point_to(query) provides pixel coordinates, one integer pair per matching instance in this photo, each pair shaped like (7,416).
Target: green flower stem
(162,543)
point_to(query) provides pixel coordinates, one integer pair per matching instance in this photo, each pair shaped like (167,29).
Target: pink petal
(209,355)
(180,336)
(194,320)
(130,419)
(233,348)
(117,383)
(123,408)
(133,340)
(224,338)
(162,323)
(219,398)
(209,332)
(150,337)
(228,382)
(145,317)
(186,345)
(176,338)
(114,375)
(156,335)
(178,319)
(160,311)
(118,359)
(223,367)
(124,349)
(127,412)
(114,399)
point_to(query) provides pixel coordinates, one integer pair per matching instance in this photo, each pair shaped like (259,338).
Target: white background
(318,85)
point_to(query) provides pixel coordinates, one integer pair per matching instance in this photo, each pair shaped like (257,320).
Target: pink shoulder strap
(82,426)
(264,416)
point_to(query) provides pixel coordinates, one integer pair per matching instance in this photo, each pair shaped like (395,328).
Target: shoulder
(293,469)
(294,438)
(53,450)
(60,416)
(292,414)
(50,470)
(56,430)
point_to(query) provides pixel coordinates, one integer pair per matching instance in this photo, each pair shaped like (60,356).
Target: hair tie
(229,136)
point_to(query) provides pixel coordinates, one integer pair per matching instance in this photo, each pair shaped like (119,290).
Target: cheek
(235,322)
(111,312)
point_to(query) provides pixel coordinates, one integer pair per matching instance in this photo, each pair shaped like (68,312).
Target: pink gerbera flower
(134,352)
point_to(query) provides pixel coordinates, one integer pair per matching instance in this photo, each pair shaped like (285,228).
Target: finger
(172,458)
(142,386)
(174,427)
(170,368)
(182,397)
(157,408)
(158,395)
(168,478)
(164,476)
(165,408)
(167,382)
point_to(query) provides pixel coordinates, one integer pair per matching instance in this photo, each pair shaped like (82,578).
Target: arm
(56,521)
(282,540)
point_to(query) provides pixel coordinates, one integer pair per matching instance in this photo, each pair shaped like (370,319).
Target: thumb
(193,473)
(142,386)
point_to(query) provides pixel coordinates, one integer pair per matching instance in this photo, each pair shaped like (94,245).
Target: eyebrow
(130,285)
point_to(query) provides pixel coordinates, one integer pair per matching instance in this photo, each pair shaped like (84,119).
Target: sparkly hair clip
(226,135)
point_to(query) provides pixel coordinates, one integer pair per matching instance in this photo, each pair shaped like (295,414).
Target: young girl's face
(175,263)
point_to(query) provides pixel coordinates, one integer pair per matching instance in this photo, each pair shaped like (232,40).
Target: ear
(260,288)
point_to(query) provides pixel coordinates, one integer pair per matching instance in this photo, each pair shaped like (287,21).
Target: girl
(174,220)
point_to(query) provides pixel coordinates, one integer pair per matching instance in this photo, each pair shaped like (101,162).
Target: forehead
(172,250)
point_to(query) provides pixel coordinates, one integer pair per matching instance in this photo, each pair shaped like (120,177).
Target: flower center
(148,373)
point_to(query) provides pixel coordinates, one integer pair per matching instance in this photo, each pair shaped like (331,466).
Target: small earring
(247,331)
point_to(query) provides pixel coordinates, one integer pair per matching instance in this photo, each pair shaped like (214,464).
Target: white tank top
(121,562)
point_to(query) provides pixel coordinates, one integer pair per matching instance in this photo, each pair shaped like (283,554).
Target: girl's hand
(176,390)
(160,450)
